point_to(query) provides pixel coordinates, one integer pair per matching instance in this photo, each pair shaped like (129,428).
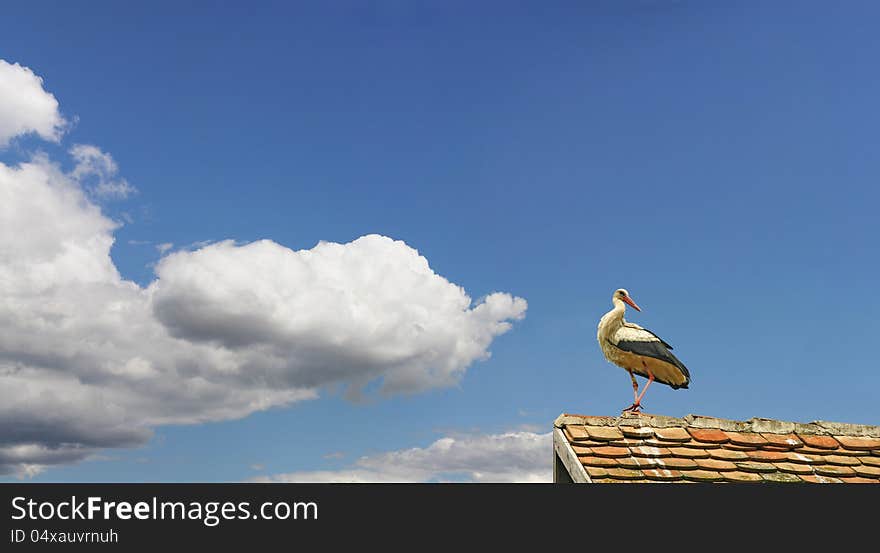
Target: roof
(654,448)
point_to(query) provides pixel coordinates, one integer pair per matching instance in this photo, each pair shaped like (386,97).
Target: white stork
(638,350)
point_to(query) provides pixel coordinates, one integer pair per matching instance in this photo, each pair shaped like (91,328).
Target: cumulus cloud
(507,457)
(25,107)
(337,312)
(98,172)
(90,360)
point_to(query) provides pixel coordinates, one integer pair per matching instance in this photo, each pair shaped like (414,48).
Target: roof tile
(648,451)
(832,470)
(738,476)
(703,475)
(843,460)
(689,452)
(715,464)
(574,433)
(672,434)
(798,457)
(696,449)
(662,474)
(787,441)
(737,447)
(710,435)
(676,463)
(755,466)
(796,468)
(610,451)
(818,479)
(637,463)
(728,455)
(625,474)
(604,433)
(640,432)
(598,461)
(867,471)
(768,456)
(858,442)
(750,439)
(860,480)
(822,442)
(781,477)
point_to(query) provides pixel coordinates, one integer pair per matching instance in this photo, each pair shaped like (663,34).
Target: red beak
(631,303)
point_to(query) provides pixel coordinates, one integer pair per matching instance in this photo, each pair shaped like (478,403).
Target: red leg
(645,389)
(635,406)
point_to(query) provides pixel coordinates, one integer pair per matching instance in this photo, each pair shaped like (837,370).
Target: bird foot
(634,408)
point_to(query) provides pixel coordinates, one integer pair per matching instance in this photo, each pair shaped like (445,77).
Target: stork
(638,350)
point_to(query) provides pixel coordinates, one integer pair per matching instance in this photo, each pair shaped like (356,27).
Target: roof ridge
(755,424)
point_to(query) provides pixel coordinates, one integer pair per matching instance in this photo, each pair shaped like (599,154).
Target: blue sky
(718,161)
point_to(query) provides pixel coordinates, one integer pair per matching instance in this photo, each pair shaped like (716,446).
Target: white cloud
(97,171)
(89,360)
(335,313)
(164,247)
(25,107)
(508,457)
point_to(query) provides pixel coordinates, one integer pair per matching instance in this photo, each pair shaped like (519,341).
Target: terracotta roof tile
(728,455)
(689,452)
(818,479)
(787,441)
(594,461)
(610,451)
(715,464)
(822,442)
(769,456)
(737,447)
(676,463)
(625,474)
(673,434)
(662,474)
(641,433)
(832,470)
(798,457)
(604,433)
(738,476)
(781,477)
(857,442)
(755,466)
(703,475)
(648,451)
(576,433)
(844,460)
(710,435)
(860,480)
(751,440)
(651,448)
(796,468)
(867,471)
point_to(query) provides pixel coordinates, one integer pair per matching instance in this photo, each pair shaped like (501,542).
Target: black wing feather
(657,350)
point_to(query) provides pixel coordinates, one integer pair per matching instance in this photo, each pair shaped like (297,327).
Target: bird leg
(637,404)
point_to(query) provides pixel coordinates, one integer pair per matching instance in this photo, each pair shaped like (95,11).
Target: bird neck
(612,320)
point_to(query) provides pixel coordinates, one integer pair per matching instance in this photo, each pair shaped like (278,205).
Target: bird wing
(643,329)
(641,341)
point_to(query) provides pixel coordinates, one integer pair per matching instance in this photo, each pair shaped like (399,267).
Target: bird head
(622,295)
